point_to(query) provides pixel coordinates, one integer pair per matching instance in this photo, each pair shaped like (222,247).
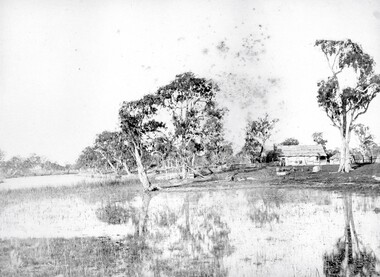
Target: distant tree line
(17,166)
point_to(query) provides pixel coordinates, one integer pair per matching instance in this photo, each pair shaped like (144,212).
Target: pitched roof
(301,150)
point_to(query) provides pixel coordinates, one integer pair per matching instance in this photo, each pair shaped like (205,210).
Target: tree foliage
(217,150)
(112,148)
(140,128)
(257,133)
(192,106)
(318,139)
(343,105)
(366,139)
(290,141)
(108,153)
(33,165)
(90,159)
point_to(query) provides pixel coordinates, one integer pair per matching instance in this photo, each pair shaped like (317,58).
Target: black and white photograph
(189,138)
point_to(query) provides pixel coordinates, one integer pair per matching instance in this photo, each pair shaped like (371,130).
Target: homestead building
(299,155)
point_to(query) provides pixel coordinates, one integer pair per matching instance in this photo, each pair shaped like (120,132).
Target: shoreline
(363,178)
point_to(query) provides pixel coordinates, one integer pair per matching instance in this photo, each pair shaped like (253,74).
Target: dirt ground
(366,177)
(361,174)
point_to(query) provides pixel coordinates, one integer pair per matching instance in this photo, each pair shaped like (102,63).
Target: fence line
(363,160)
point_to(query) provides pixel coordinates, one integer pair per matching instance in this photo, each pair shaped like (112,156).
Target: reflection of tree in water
(118,211)
(262,207)
(201,241)
(350,257)
(167,242)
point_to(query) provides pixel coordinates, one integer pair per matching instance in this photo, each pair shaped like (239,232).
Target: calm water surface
(250,232)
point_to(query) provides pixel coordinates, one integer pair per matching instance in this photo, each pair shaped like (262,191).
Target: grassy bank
(329,175)
(301,177)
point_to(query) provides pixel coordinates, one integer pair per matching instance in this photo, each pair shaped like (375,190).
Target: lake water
(246,232)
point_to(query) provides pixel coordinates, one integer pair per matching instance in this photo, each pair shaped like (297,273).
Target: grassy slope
(301,177)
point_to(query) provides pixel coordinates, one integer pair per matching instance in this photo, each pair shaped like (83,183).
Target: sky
(66,66)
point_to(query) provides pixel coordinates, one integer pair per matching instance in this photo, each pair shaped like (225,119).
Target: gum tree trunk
(345,164)
(126,168)
(141,171)
(345,133)
(109,162)
(184,170)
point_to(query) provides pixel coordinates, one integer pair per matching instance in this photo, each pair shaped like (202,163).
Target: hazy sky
(66,66)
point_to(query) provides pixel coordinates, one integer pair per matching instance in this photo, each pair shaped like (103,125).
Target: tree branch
(332,120)
(362,112)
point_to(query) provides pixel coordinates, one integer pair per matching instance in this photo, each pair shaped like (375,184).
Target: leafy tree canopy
(290,141)
(257,133)
(366,139)
(318,138)
(195,115)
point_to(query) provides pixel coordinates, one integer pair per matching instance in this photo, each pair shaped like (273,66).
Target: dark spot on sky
(376,14)
(78,68)
(180,38)
(222,47)
(118,31)
(260,26)
(273,81)
(205,51)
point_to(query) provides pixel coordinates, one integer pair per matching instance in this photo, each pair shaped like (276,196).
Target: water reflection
(256,232)
(350,257)
(264,206)
(192,241)
(181,241)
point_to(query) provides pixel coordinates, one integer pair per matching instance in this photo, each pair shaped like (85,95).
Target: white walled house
(301,155)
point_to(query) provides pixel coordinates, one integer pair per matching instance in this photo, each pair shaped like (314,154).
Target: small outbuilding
(300,155)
